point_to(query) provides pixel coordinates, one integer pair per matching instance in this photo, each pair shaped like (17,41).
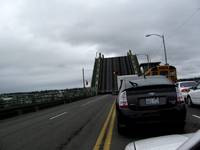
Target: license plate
(152,101)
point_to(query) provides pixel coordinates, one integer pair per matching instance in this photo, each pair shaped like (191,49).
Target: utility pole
(83,78)
(148,61)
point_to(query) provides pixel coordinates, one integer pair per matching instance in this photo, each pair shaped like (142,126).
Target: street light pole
(164,47)
(163,39)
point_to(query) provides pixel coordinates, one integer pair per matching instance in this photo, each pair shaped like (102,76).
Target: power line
(185,22)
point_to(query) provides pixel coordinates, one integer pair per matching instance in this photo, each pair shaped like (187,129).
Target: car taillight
(180,98)
(185,90)
(123,103)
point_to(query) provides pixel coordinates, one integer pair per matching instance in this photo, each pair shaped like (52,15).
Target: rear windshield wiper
(133,84)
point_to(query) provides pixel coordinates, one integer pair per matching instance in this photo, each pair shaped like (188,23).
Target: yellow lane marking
(110,132)
(103,130)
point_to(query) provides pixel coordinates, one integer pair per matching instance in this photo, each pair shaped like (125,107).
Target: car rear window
(147,81)
(187,84)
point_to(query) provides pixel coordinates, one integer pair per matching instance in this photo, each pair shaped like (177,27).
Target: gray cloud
(45,44)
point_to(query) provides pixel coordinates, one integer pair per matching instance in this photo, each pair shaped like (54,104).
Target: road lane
(31,118)
(192,123)
(74,126)
(100,143)
(35,115)
(58,115)
(120,141)
(78,129)
(92,101)
(108,139)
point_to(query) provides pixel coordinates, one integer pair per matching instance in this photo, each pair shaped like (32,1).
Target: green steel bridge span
(105,71)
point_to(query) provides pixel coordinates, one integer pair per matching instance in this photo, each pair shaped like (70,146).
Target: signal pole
(83,78)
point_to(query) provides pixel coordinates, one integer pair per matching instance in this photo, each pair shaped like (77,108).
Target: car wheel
(189,100)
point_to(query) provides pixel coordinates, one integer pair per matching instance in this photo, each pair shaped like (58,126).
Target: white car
(190,141)
(184,87)
(193,97)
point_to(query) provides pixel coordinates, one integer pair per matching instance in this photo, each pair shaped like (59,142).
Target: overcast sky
(44,44)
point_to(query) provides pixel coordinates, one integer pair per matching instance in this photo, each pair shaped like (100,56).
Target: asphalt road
(192,124)
(89,124)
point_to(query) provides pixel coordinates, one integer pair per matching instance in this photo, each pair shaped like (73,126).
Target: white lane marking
(89,102)
(92,101)
(196,116)
(57,115)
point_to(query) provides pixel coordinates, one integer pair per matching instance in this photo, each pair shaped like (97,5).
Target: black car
(150,99)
